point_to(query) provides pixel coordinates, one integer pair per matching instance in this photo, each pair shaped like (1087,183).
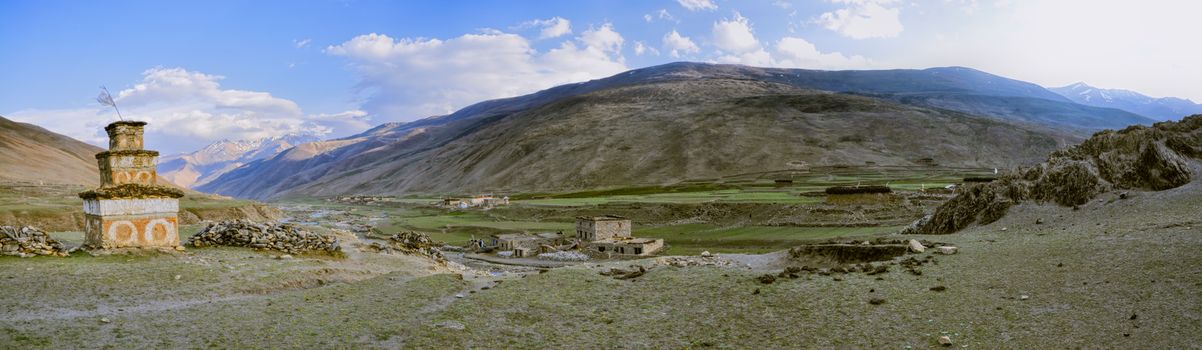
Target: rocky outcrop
(282,237)
(1146,158)
(27,242)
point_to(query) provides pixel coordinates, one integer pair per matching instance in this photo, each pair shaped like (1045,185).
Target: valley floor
(1117,273)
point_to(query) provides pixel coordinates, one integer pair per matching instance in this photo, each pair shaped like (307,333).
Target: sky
(200,72)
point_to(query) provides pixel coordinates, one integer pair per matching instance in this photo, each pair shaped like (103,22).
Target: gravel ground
(1117,273)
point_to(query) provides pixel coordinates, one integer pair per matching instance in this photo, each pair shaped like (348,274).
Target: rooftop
(602,218)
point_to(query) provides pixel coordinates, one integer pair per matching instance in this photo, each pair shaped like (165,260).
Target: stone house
(596,228)
(627,246)
(523,244)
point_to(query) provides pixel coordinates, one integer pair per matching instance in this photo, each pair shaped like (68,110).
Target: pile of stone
(412,243)
(565,255)
(28,242)
(692,261)
(282,237)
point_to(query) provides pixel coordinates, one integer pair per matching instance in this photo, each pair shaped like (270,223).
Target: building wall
(120,231)
(123,169)
(628,248)
(589,230)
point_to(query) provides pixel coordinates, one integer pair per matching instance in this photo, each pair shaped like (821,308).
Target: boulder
(916,247)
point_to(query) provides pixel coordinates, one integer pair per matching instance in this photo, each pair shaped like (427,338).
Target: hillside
(197,168)
(29,153)
(657,125)
(1164,108)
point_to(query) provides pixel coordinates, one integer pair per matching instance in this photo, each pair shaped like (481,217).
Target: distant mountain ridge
(683,121)
(204,165)
(1163,108)
(29,153)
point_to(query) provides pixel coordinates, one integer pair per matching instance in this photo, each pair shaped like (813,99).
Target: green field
(760,187)
(458,226)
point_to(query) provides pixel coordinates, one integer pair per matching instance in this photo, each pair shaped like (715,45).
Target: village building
(596,228)
(526,244)
(627,245)
(130,209)
(484,200)
(610,235)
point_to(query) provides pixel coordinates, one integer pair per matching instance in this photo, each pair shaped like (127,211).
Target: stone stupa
(130,209)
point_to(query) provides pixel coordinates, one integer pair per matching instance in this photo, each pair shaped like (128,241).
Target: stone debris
(1024,297)
(412,243)
(282,237)
(566,255)
(622,274)
(706,254)
(876,301)
(450,324)
(26,241)
(766,278)
(691,261)
(945,340)
(946,250)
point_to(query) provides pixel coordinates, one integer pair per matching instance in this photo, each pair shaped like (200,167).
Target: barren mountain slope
(31,153)
(662,132)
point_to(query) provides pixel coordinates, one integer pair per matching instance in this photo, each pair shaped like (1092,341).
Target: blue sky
(248,69)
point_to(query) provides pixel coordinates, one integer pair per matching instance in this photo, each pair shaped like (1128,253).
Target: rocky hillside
(29,153)
(661,125)
(1164,156)
(1163,108)
(198,168)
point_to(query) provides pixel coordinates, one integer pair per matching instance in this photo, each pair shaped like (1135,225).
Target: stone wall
(601,228)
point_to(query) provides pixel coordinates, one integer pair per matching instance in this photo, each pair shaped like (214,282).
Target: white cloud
(300,43)
(735,35)
(662,14)
(188,109)
(407,79)
(738,44)
(679,45)
(1055,43)
(794,52)
(758,58)
(864,19)
(641,48)
(697,5)
(604,38)
(551,28)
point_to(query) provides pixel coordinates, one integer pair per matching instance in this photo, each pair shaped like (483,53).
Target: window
(638,250)
(600,248)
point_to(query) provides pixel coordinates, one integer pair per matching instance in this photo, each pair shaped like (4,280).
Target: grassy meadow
(459,226)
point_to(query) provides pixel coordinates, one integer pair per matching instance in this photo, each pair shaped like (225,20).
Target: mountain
(1164,108)
(29,153)
(200,167)
(678,122)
